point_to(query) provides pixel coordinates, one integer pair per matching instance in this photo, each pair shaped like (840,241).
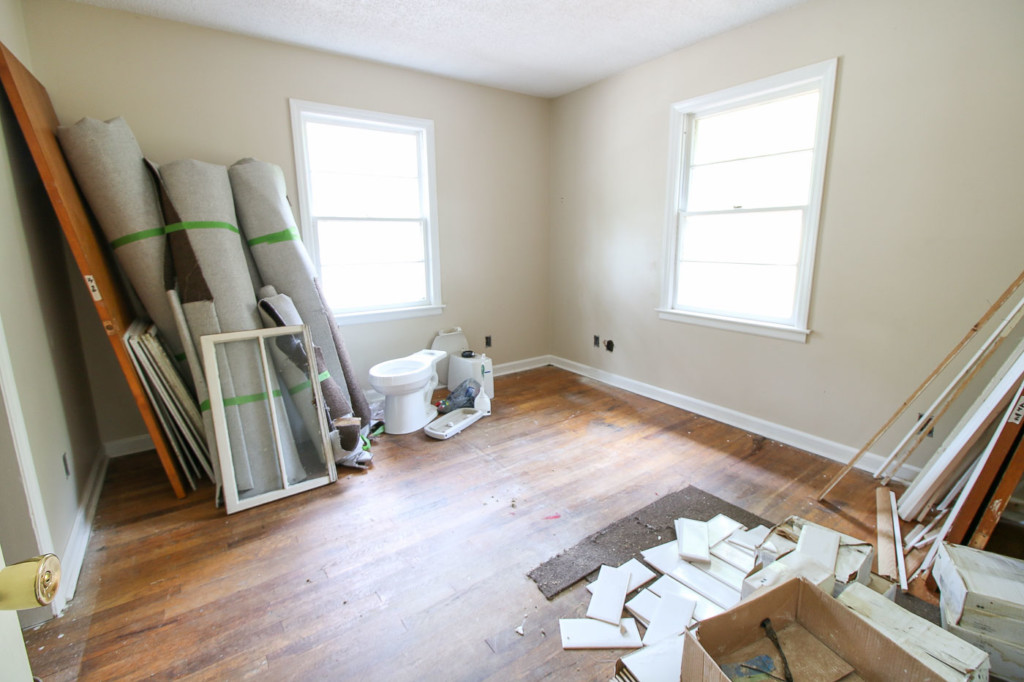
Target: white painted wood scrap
(659,663)
(666,559)
(670,620)
(639,575)
(897,534)
(721,527)
(587,633)
(944,653)
(609,595)
(692,539)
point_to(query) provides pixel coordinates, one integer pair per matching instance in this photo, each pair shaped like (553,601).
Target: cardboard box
(981,591)
(823,640)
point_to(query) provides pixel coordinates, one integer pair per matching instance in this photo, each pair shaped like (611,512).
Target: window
(746,177)
(368,210)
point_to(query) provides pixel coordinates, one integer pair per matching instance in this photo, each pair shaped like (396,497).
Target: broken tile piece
(820,544)
(721,527)
(666,559)
(643,606)
(639,575)
(705,607)
(750,539)
(670,620)
(659,663)
(587,633)
(609,595)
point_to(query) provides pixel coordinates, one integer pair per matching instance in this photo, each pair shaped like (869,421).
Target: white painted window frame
(819,76)
(304,111)
(209,343)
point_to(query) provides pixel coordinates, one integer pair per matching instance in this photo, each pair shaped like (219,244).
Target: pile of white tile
(709,568)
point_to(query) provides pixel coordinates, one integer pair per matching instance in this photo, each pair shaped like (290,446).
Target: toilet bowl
(407,385)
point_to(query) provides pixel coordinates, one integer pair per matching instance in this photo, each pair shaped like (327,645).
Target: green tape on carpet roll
(291,234)
(137,236)
(323,376)
(200,225)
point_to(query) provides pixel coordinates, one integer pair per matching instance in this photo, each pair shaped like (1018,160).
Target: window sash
(425,213)
(818,77)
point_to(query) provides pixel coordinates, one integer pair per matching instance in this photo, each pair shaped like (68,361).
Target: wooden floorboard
(416,569)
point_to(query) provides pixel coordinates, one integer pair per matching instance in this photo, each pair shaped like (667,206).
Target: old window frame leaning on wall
(369,220)
(740,247)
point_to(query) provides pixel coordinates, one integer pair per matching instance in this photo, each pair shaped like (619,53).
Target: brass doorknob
(29,584)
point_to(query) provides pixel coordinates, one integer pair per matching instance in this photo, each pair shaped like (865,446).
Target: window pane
(361,196)
(771,238)
(352,150)
(350,242)
(374,285)
(783,180)
(759,291)
(782,125)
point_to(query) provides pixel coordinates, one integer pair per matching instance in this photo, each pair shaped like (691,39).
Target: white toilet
(407,385)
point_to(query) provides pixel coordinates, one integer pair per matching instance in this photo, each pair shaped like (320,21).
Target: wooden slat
(996,504)
(1005,443)
(38,122)
(886,545)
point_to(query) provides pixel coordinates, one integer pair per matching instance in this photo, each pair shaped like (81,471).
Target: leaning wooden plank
(670,620)
(38,122)
(639,575)
(1000,497)
(1006,441)
(885,547)
(949,657)
(692,539)
(953,390)
(985,409)
(666,559)
(587,633)
(897,542)
(609,595)
(926,383)
(705,608)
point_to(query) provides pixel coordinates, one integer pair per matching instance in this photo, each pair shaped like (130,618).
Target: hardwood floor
(415,570)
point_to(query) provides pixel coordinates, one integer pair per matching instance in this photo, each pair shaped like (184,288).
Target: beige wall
(48,377)
(190,92)
(921,225)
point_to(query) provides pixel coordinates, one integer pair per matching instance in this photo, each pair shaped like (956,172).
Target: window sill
(344,319)
(775,331)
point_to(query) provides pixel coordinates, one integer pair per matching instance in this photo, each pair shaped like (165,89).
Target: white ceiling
(538,47)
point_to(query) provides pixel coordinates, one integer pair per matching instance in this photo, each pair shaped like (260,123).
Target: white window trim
(822,76)
(302,111)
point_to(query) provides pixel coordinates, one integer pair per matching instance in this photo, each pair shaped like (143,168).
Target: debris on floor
(757,605)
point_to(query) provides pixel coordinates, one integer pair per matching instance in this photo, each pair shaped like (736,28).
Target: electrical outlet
(609,345)
(67,469)
(487,341)
(597,341)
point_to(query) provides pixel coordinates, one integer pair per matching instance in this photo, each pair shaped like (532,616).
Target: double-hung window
(745,187)
(368,210)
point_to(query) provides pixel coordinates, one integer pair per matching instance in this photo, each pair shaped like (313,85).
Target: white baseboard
(783,434)
(73,558)
(128,446)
